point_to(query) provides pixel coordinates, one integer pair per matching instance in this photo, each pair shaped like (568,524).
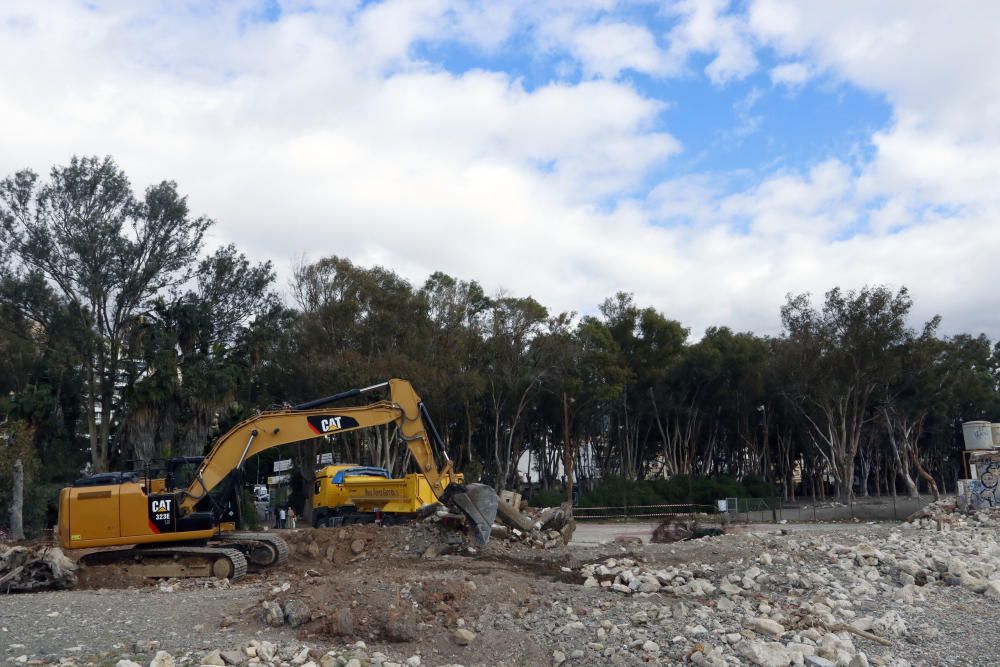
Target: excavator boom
(316,418)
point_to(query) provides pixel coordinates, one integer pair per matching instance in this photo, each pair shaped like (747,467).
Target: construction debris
(679,530)
(544,528)
(24,569)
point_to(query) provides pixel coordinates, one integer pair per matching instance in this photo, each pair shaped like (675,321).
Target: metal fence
(638,512)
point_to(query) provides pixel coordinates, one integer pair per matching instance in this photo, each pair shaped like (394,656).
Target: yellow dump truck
(346,494)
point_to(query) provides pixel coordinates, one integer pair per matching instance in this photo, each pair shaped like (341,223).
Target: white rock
(462,636)
(860,660)
(890,624)
(765,654)
(818,661)
(767,626)
(162,659)
(213,658)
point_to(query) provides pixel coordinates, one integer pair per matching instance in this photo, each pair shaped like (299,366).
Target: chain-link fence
(638,512)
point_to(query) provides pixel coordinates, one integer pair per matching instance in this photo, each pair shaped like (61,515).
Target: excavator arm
(318,418)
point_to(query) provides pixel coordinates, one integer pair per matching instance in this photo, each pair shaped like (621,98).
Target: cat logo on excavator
(323,424)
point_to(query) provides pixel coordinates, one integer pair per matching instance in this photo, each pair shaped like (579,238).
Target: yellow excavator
(147,527)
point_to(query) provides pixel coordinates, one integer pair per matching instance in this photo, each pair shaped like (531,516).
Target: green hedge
(547,498)
(618,491)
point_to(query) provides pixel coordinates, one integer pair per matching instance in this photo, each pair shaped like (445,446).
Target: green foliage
(248,510)
(547,498)
(681,489)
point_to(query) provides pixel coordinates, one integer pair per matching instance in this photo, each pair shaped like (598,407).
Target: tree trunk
(926,475)
(91,407)
(567,452)
(17,502)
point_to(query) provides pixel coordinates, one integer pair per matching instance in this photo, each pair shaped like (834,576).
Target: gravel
(900,595)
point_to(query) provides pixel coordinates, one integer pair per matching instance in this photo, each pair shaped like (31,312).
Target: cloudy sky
(709,156)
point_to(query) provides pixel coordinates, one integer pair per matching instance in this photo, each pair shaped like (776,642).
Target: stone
(730,589)
(127,663)
(650,646)
(992,590)
(162,659)
(357,546)
(302,657)
(213,658)
(233,657)
(272,614)
(890,624)
(818,661)
(860,660)
(297,612)
(591,583)
(147,646)
(767,626)
(353,662)
(648,584)
(558,657)
(765,654)
(266,651)
(462,636)
(413,661)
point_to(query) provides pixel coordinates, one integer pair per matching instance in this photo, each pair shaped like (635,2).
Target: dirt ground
(405,591)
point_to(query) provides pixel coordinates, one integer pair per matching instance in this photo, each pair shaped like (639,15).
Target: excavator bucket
(479,503)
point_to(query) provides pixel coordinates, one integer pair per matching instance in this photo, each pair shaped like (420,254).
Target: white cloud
(324,133)
(704,27)
(791,74)
(605,49)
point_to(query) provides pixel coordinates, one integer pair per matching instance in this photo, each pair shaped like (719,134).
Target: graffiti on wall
(983,492)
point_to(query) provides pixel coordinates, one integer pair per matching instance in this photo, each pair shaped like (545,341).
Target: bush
(680,489)
(547,498)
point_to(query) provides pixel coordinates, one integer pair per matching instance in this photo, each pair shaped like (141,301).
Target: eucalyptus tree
(843,353)
(108,253)
(459,314)
(189,358)
(514,372)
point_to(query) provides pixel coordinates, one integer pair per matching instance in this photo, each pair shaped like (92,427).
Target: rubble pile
(948,512)
(334,546)
(679,530)
(263,654)
(544,528)
(807,600)
(26,568)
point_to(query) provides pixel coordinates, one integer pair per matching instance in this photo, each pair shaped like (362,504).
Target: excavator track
(263,550)
(167,562)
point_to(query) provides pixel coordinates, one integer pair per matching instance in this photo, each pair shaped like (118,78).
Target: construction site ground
(408,593)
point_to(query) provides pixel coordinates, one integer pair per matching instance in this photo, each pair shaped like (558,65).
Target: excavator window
(317,486)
